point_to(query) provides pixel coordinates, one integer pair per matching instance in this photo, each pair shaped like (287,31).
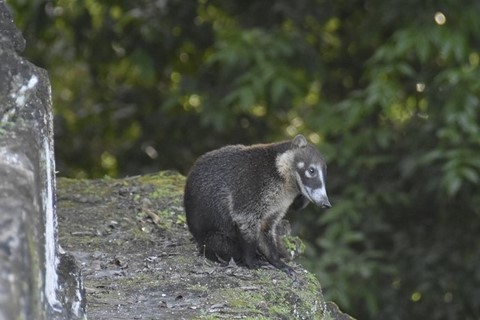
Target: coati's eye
(311,172)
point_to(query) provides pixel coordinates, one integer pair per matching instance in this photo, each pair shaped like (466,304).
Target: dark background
(389,90)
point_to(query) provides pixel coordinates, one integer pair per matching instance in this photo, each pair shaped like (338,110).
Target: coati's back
(219,176)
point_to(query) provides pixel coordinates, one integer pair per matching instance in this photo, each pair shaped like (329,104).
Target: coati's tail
(218,247)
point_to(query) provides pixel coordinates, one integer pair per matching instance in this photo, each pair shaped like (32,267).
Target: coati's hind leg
(249,253)
(248,242)
(216,246)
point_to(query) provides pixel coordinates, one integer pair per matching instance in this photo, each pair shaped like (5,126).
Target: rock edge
(37,281)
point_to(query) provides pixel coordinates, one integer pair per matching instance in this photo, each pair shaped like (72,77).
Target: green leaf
(470,174)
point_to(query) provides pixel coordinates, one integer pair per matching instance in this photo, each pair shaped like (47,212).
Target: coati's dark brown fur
(236,196)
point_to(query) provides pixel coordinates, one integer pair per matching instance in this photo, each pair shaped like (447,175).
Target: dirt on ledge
(139,262)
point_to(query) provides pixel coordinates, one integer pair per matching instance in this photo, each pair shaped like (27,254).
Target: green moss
(294,244)
(64,184)
(166,183)
(139,235)
(181,219)
(279,311)
(314,303)
(242,299)
(94,190)
(199,288)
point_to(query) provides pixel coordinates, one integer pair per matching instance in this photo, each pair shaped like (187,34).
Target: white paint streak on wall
(76,306)
(32,82)
(21,95)
(51,259)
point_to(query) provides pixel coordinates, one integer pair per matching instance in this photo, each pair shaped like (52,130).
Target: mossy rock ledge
(139,261)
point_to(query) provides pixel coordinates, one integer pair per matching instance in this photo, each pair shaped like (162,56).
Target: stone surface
(30,285)
(139,261)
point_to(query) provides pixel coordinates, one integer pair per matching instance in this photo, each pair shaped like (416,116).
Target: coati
(235,197)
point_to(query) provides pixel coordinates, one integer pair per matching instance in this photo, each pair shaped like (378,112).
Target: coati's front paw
(279,264)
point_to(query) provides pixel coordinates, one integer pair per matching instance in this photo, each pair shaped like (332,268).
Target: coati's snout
(326,205)
(322,203)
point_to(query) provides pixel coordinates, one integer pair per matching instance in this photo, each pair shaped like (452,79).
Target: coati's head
(310,171)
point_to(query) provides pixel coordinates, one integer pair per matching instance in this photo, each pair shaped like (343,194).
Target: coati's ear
(299,141)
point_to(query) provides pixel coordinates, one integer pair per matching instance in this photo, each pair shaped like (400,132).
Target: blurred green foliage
(389,90)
